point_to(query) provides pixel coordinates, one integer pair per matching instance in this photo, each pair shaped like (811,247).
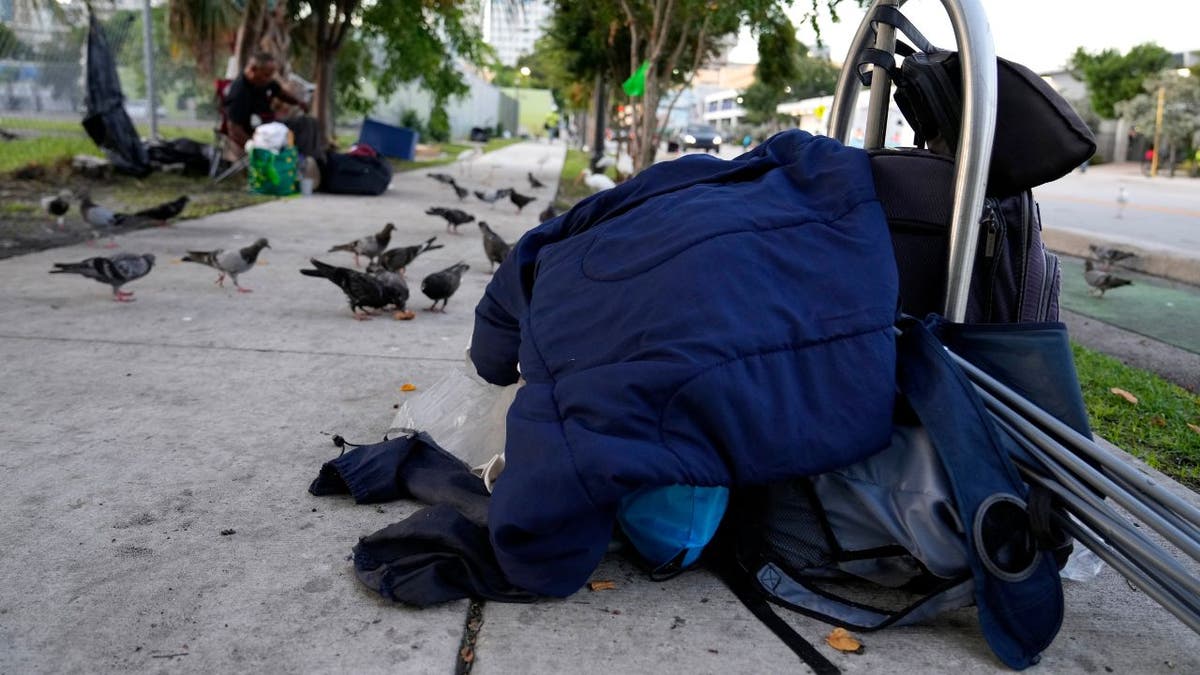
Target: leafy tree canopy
(1112,77)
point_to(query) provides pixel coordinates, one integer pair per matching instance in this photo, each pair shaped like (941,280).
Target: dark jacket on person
(709,322)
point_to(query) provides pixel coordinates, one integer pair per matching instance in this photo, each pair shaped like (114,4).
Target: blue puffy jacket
(709,322)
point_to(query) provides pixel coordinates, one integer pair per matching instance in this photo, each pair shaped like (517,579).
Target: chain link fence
(42,50)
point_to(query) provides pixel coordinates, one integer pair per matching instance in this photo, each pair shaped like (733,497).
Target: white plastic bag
(463,414)
(271,136)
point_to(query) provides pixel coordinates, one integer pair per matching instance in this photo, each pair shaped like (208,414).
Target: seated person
(253,92)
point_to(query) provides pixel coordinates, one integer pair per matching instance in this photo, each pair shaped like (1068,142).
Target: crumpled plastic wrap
(273,136)
(463,414)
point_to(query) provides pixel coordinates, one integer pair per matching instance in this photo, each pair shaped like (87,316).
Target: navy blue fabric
(401,468)
(1020,614)
(709,322)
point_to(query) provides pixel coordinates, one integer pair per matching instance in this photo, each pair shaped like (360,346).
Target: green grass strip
(1155,429)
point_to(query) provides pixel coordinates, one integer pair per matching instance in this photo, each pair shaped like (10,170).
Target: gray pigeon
(442,178)
(494,247)
(454,217)
(459,190)
(231,262)
(370,246)
(116,271)
(101,218)
(1101,280)
(519,199)
(396,259)
(493,197)
(396,288)
(439,286)
(534,182)
(363,291)
(1108,256)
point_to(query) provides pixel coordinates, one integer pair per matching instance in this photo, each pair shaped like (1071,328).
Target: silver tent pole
(1078,443)
(1034,439)
(1106,530)
(1102,518)
(1132,573)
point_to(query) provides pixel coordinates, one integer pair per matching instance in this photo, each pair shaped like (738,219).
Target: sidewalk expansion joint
(257,350)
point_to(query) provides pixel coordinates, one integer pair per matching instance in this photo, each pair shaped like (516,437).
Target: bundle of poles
(1088,482)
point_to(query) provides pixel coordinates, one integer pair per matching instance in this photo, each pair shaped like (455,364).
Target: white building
(512,26)
(812,115)
(723,109)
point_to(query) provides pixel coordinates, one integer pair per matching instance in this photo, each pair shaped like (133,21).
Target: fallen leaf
(467,654)
(602,585)
(1158,421)
(1124,394)
(1193,427)
(841,640)
(408,386)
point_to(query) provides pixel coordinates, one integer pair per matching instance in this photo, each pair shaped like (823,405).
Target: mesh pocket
(794,529)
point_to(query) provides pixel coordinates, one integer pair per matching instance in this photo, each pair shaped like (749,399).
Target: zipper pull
(989,247)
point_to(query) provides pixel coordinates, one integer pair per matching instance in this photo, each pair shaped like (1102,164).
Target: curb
(1160,262)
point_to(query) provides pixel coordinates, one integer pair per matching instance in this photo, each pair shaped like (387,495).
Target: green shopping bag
(273,173)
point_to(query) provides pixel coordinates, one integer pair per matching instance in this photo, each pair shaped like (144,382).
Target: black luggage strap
(738,581)
(884,59)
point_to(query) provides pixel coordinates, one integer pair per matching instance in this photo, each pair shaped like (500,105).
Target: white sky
(1040,34)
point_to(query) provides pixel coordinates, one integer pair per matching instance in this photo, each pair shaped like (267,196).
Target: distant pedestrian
(1147,160)
(746,141)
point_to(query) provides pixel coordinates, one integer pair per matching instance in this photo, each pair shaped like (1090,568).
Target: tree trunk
(647,147)
(323,96)
(249,32)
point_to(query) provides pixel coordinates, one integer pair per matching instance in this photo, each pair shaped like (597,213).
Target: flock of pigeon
(380,286)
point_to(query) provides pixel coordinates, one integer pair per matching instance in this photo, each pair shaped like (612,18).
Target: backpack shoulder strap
(1017,588)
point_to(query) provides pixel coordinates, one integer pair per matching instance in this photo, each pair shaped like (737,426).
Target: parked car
(699,136)
(481,134)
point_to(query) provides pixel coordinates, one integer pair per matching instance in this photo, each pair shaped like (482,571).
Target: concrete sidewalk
(157,456)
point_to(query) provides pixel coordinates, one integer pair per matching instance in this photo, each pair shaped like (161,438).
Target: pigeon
(1101,280)
(547,213)
(439,286)
(116,271)
(442,178)
(397,259)
(454,217)
(57,205)
(534,182)
(165,211)
(596,181)
(100,217)
(519,199)
(396,287)
(493,197)
(371,245)
(8,135)
(363,291)
(1107,256)
(459,190)
(1122,200)
(229,262)
(494,247)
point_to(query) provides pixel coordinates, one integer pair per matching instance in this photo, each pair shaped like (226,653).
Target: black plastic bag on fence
(107,122)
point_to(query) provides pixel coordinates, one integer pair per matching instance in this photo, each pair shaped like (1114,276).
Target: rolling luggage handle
(973,157)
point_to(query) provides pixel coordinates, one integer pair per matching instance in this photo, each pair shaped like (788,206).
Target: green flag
(636,84)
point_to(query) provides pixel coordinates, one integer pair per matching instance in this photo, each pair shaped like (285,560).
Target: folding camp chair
(220,135)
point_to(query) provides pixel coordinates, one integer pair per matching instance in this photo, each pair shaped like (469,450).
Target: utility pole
(148,57)
(1158,117)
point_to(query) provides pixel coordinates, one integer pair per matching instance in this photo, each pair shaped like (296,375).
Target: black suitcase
(355,175)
